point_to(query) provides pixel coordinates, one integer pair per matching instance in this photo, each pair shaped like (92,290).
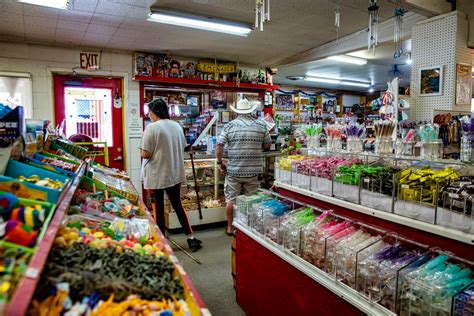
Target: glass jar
(314,143)
(432,150)
(383,146)
(354,144)
(466,148)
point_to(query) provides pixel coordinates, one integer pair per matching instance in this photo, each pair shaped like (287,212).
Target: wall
(42,61)
(441,40)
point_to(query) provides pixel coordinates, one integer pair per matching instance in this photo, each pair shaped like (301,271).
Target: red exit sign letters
(89,60)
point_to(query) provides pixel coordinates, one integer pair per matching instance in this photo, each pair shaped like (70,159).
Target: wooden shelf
(208,83)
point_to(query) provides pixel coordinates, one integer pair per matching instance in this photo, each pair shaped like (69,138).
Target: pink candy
(322,167)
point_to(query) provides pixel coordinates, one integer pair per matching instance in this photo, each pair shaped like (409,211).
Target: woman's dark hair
(159,108)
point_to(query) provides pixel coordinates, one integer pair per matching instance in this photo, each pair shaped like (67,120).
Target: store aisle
(212,278)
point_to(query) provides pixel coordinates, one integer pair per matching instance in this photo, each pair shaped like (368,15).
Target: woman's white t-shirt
(166,142)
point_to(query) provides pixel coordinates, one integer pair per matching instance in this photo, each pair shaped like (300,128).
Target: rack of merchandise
(352,264)
(95,218)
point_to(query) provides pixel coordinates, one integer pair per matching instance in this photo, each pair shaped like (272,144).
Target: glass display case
(210,187)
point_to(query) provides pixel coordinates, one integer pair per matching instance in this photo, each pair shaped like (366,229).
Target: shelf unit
(20,301)
(343,291)
(406,221)
(207,83)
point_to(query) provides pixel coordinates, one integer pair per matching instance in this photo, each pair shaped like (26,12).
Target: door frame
(51,71)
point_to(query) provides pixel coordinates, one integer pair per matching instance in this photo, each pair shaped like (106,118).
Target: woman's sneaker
(194,244)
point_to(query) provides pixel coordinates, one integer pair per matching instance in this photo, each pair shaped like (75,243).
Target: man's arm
(145,154)
(267,142)
(219,152)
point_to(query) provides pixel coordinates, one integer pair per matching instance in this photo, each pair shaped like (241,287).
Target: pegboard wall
(435,42)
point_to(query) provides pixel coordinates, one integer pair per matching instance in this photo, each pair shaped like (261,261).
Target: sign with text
(209,67)
(89,60)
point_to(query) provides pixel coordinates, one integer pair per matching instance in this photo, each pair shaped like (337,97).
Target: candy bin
(379,264)
(334,134)
(266,215)
(243,204)
(377,187)
(314,235)
(464,302)
(417,192)
(300,174)
(455,207)
(343,250)
(290,228)
(346,182)
(273,220)
(428,285)
(355,133)
(384,132)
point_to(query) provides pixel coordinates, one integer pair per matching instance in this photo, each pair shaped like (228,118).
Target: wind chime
(262,13)
(373,25)
(337,19)
(398,31)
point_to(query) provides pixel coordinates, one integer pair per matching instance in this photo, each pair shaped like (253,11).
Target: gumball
(18,233)
(8,202)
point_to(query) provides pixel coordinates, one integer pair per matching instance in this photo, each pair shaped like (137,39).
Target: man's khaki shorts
(233,186)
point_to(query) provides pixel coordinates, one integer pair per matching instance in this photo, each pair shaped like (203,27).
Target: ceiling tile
(138,12)
(107,7)
(78,16)
(68,36)
(40,21)
(101,29)
(31,29)
(94,37)
(12,18)
(11,6)
(104,19)
(40,38)
(39,11)
(85,5)
(137,3)
(135,24)
(128,32)
(72,25)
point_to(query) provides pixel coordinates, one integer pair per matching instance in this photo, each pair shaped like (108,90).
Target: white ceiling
(376,71)
(296,26)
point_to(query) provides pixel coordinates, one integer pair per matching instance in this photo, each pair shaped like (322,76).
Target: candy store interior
(364,199)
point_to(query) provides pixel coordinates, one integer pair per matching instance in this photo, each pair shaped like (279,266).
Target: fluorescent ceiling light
(355,84)
(371,90)
(323,80)
(58,4)
(201,23)
(349,59)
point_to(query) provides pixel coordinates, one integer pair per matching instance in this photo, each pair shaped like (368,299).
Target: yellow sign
(209,67)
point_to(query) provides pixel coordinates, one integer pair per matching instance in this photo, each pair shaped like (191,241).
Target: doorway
(91,108)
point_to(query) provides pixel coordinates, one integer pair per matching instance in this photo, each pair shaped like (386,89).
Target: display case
(210,187)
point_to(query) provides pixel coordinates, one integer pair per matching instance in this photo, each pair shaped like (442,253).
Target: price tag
(463,183)
(405,186)
(32,273)
(366,180)
(418,144)
(453,195)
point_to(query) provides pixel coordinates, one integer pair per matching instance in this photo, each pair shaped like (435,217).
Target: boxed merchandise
(12,123)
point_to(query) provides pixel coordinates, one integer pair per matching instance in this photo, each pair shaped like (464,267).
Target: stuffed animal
(8,202)
(33,216)
(18,233)
(174,69)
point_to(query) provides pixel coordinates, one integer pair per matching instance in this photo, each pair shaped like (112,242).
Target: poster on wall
(431,81)
(463,84)
(218,100)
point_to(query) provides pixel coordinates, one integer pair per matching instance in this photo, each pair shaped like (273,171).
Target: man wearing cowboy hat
(246,138)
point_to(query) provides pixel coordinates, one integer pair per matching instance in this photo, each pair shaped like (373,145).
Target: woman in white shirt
(162,150)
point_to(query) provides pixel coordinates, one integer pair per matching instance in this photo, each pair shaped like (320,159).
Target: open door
(92,110)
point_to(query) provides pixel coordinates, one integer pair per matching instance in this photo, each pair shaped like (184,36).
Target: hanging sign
(210,67)
(89,60)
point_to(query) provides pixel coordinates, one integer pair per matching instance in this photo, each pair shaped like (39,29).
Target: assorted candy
(46,182)
(13,263)
(98,204)
(60,164)
(421,185)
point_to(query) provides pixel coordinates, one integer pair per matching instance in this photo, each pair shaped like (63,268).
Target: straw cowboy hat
(244,106)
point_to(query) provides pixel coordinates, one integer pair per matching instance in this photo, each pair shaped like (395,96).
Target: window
(16,90)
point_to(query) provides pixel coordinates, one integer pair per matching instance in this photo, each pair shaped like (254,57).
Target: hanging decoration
(262,13)
(307,94)
(373,25)
(398,31)
(337,19)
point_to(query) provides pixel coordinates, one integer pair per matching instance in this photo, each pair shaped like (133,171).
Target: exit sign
(89,60)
